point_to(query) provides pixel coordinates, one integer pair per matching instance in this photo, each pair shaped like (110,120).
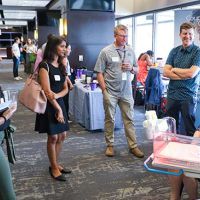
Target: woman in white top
(31,50)
(16,58)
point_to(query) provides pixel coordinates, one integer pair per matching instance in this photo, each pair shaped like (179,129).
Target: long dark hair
(140,55)
(61,65)
(51,51)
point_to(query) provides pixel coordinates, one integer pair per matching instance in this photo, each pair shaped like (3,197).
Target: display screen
(48,18)
(93,5)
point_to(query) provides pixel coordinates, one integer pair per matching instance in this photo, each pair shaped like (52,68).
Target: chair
(153,90)
(138,92)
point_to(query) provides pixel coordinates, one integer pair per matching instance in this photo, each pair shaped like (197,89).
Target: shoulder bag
(10,144)
(32,95)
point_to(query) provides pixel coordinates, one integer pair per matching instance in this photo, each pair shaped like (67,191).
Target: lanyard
(120,56)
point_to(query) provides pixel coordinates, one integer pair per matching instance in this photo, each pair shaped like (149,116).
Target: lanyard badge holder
(124,73)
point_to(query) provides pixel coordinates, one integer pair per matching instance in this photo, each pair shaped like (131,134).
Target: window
(164,40)
(129,23)
(143,33)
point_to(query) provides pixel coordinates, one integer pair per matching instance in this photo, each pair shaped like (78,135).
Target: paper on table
(4,105)
(180,151)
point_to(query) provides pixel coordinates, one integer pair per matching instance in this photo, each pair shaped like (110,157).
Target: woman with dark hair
(54,121)
(144,62)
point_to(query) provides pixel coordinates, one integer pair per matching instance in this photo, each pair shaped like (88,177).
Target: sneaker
(20,78)
(16,78)
(69,121)
(109,151)
(137,152)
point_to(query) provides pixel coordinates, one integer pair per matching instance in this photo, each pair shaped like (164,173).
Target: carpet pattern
(94,176)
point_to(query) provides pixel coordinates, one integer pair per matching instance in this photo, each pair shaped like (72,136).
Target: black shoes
(66,171)
(58,178)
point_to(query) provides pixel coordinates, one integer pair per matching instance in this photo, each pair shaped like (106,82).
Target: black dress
(47,123)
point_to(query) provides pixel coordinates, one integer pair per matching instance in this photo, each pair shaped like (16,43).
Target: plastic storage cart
(173,152)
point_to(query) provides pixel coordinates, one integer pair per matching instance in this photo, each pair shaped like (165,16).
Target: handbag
(32,95)
(32,57)
(10,144)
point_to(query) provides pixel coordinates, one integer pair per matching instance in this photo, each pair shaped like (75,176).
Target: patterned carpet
(94,176)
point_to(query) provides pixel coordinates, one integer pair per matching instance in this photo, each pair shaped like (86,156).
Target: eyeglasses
(124,36)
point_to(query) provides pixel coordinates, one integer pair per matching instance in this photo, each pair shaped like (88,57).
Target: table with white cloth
(86,107)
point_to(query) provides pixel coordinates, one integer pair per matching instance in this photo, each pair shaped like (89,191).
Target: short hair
(49,36)
(16,38)
(186,25)
(150,53)
(120,27)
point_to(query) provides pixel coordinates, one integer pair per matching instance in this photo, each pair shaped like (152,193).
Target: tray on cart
(173,151)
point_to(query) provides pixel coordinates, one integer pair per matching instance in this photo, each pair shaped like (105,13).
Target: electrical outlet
(80,57)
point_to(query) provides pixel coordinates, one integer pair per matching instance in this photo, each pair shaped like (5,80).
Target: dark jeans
(187,110)
(15,66)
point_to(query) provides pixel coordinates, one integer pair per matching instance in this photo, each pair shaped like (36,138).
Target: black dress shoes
(66,171)
(58,178)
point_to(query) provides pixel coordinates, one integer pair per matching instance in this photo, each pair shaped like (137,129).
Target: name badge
(115,59)
(57,77)
(124,76)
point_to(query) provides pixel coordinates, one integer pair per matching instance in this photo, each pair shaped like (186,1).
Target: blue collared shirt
(184,58)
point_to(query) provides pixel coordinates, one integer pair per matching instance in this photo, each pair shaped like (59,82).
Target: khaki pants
(126,106)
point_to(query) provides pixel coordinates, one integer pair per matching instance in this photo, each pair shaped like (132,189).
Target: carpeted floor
(95,176)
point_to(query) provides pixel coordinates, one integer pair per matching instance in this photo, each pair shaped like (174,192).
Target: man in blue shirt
(182,68)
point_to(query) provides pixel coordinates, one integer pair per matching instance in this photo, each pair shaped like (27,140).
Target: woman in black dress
(54,121)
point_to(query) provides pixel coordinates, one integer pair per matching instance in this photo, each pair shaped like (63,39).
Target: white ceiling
(30,14)
(21,14)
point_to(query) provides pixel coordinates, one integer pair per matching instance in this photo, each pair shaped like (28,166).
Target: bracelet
(4,118)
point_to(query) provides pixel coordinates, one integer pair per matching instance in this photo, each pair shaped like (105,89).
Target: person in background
(54,120)
(144,62)
(39,58)
(114,67)
(182,68)
(16,58)
(40,52)
(6,185)
(31,51)
(65,62)
(49,36)
(21,52)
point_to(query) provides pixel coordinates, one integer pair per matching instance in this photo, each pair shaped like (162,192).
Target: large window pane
(129,23)
(164,34)
(143,33)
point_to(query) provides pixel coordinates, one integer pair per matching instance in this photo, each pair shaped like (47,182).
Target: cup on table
(88,79)
(12,96)
(78,73)
(93,86)
(83,76)
(125,66)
